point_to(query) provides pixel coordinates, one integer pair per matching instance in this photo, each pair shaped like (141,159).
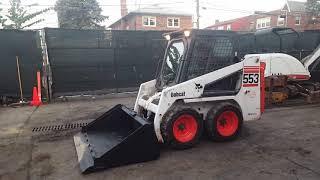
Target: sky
(210,9)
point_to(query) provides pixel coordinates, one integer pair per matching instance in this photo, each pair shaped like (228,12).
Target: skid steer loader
(200,86)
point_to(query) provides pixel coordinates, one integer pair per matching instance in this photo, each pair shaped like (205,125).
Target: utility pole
(286,18)
(198,13)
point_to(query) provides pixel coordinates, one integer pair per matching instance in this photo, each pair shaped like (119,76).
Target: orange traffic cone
(36,101)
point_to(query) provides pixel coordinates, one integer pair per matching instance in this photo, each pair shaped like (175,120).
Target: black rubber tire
(211,121)
(167,129)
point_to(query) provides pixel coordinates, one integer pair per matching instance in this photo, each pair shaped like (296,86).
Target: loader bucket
(116,138)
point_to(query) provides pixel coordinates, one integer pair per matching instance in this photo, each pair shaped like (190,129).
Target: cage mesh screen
(222,48)
(209,55)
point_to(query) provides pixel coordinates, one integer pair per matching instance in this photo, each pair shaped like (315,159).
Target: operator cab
(192,53)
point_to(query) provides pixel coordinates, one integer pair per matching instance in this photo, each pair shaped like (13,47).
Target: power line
(214,3)
(102,5)
(220,8)
(229,10)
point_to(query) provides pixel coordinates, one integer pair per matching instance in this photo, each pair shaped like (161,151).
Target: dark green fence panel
(91,60)
(113,61)
(25,45)
(77,70)
(279,40)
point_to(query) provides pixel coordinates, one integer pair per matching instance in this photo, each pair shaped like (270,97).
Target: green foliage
(313,7)
(2,20)
(20,18)
(79,14)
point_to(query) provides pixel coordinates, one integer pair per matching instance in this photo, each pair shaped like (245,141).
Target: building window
(173,22)
(149,21)
(297,20)
(221,28)
(251,26)
(263,23)
(280,21)
(258,26)
(268,24)
(229,27)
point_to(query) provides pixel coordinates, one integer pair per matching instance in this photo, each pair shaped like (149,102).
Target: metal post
(19,78)
(198,13)
(286,18)
(46,68)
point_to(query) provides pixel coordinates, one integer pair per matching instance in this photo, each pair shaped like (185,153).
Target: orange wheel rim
(227,123)
(185,128)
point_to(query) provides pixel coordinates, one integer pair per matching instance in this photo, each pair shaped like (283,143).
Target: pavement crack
(302,166)
(30,160)
(25,123)
(17,145)
(293,162)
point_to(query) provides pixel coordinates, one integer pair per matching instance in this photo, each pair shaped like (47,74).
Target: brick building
(293,14)
(152,19)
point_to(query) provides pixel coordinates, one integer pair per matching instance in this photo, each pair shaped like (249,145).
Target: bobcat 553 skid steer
(200,87)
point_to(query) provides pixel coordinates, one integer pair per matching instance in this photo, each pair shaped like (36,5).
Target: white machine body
(314,56)
(190,93)
(283,64)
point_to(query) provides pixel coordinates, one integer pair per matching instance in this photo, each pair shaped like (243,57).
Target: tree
(19,16)
(2,20)
(79,14)
(313,7)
